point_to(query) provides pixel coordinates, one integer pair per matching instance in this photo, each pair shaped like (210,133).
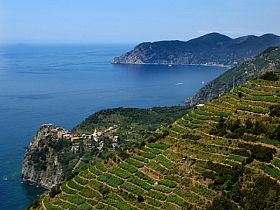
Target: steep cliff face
(40,164)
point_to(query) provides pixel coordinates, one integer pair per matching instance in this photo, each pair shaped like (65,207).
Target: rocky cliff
(210,49)
(55,154)
(40,164)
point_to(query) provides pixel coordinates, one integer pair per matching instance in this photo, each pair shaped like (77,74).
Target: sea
(63,84)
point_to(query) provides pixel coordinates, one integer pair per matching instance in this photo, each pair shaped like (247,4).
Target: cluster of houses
(62,133)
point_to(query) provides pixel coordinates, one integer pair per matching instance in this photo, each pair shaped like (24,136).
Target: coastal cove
(63,84)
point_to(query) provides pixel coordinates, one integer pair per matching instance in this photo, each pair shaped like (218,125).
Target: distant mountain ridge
(210,49)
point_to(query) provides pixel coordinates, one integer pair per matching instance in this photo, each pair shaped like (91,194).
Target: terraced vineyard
(224,155)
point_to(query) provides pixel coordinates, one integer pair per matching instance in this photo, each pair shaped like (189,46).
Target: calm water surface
(63,85)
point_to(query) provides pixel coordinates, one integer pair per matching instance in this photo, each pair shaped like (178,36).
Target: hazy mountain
(210,49)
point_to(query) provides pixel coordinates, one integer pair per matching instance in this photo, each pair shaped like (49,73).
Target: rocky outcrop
(55,154)
(210,49)
(40,164)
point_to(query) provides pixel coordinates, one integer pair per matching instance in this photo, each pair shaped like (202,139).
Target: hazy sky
(131,21)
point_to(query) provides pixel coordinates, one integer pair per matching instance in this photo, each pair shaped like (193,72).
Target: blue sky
(132,21)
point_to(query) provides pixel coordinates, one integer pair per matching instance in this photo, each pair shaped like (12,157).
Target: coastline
(170,64)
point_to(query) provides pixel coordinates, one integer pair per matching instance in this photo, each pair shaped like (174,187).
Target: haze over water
(63,84)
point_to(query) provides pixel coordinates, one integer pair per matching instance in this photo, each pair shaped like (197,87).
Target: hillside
(56,154)
(269,60)
(223,155)
(210,49)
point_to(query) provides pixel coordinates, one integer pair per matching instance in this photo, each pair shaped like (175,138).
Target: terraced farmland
(224,155)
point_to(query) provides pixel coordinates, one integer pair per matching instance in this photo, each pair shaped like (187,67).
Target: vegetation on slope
(55,158)
(269,60)
(224,155)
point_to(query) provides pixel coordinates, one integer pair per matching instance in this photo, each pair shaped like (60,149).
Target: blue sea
(63,84)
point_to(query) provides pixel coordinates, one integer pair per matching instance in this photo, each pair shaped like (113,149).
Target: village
(89,140)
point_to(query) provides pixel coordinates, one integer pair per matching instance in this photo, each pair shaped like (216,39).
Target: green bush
(104,190)
(167,183)
(275,135)
(143,176)
(158,146)
(104,177)
(157,195)
(80,180)
(162,188)
(95,184)
(134,163)
(120,172)
(140,183)
(133,189)
(74,185)
(270,76)
(149,155)
(89,193)
(156,167)
(114,181)
(274,111)
(128,167)
(259,152)
(176,199)
(67,190)
(140,198)
(55,190)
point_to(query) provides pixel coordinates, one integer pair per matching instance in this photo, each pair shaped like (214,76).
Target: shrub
(259,128)
(157,195)
(80,180)
(275,135)
(168,183)
(274,111)
(87,192)
(158,146)
(54,191)
(270,76)
(104,190)
(123,155)
(95,184)
(190,136)
(133,189)
(149,155)
(74,185)
(140,198)
(220,128)
(120,172)
(67,190)
(104,177)
(128,167)
(176,199)
(140,183)
(162,188)
(143,176)
(259,152)
(114,181)
(240,94)
(248,124)
(135,163)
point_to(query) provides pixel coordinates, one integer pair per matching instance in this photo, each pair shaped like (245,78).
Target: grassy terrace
(199,164)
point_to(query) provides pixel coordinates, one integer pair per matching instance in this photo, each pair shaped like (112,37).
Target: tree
(275,135)
(248,124)
(140,199)
(270,76)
